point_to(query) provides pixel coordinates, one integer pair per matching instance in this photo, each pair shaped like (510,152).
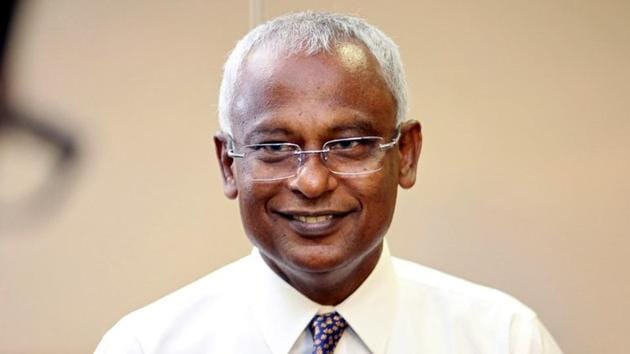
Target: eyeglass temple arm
(393,142)
(230,147)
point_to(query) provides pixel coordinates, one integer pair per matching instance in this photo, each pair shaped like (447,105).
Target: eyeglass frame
(322,152)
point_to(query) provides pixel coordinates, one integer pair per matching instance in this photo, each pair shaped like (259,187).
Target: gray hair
(311,33)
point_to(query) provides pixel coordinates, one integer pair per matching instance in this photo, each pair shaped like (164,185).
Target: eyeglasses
(349,157)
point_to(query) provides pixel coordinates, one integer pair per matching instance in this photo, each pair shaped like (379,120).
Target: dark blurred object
(17,130)
(8,10)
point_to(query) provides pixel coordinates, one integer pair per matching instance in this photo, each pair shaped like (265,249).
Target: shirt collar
(282,313)
(371,309)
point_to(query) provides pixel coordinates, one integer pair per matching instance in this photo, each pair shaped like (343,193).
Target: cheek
(384,192)
(377,195)
(382,185)
(253,198)
(250,192)
(254,219)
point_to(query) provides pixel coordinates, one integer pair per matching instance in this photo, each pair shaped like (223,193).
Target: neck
(329,288)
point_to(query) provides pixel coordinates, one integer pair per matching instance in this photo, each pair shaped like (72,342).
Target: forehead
(313,94)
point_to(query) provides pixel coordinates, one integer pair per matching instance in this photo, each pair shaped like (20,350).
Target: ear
(226,165)
(409,146)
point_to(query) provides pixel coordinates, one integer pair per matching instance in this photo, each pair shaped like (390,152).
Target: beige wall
(524,181)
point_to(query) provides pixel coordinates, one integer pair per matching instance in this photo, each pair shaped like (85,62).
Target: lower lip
(317,229)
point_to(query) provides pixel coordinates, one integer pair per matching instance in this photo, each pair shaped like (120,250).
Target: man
(314,145)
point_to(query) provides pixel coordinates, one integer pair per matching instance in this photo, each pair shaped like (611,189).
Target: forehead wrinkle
(372,102)
(287,127)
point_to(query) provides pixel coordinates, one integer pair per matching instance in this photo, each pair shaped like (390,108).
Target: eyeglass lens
(346,157)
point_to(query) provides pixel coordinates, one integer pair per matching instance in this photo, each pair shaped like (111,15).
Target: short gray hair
(311,33)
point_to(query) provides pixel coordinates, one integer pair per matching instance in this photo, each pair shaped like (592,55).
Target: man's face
(317,221)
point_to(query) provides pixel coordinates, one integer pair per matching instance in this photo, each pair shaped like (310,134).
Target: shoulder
(455,295)
(220,294)
(455,310)
(434,283)
(224,284)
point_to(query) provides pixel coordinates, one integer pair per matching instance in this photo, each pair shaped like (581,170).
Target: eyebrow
(263,132)
(361,126)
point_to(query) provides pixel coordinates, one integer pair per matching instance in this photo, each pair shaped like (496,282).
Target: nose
(313,178)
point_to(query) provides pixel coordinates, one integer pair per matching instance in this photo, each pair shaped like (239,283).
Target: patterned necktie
(327,329)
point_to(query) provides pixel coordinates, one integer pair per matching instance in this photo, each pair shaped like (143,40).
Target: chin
(317,259)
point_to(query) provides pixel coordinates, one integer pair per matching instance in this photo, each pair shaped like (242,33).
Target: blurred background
(524,180)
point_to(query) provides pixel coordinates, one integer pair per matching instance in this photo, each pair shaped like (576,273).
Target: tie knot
(327,329)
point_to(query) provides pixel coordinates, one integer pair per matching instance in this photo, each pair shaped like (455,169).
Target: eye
(272,153)
(273,147)
(345,144)
(352,149)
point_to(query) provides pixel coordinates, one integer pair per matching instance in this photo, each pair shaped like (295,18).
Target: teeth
(312,219)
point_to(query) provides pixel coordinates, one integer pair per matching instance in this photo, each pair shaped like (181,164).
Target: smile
(312,219)
(315,224)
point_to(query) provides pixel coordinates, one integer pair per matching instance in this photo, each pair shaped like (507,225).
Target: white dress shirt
(401,307)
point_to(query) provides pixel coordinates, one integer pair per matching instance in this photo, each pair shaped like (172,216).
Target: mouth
(314,224)
(312,219)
